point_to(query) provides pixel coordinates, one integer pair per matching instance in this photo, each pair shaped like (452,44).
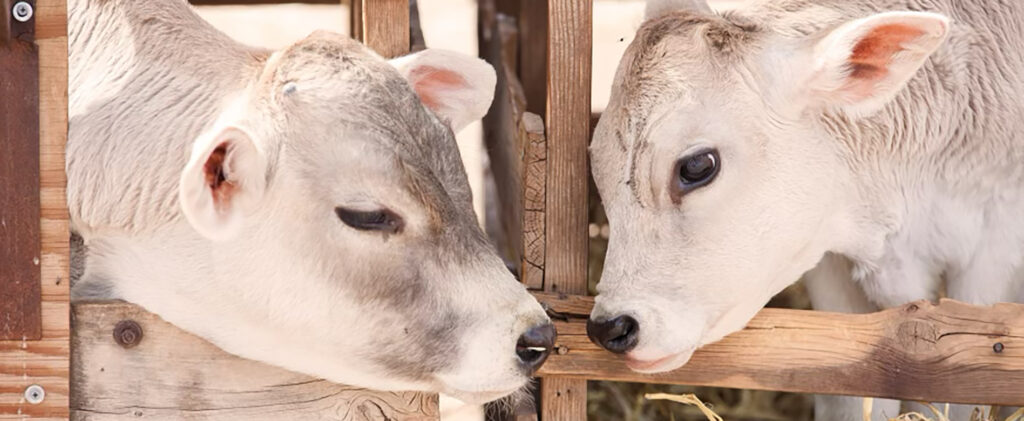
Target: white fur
(272,274)
(915,179)
(461,104)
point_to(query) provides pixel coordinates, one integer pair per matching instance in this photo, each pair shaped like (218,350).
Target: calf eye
(696,170)
(376,220)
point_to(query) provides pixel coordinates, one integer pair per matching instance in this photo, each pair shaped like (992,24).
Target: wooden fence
(537,134)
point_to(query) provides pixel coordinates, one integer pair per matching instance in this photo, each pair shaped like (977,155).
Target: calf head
(721,179)
(345,244)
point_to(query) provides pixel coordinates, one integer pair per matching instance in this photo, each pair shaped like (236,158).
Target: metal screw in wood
(35,394)
(22,11)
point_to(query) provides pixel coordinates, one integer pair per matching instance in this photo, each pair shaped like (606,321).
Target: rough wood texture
(45,362)
(172,375)
(921,352)
(535,149)
(20,316)
(568,133)
(383,25)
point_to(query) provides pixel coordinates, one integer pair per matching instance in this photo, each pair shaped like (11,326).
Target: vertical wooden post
(382,25)
(44,362)
(533,44)
(568,134)
(20,316)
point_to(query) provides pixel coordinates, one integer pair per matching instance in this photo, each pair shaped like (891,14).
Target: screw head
(22,11)
(35,394)
(128,334)
(998,347)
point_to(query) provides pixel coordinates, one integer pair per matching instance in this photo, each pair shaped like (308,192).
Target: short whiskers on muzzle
(515,402)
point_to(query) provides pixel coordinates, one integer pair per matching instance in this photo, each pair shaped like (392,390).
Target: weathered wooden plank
(171,375)
(382,25)
(949,352)
(20,292)
(568,133)
(45,362)
(534,145)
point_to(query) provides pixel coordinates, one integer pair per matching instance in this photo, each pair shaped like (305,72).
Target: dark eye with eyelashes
(382,220)
(694,171)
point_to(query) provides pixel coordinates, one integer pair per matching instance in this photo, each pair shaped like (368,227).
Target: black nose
(535,346)
(618,335)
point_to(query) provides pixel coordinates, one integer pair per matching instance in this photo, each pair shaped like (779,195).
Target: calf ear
(222,183)
(656,8)
(861,65)
(457,87)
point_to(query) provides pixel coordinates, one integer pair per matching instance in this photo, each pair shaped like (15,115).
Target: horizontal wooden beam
(946,352)
(130,364)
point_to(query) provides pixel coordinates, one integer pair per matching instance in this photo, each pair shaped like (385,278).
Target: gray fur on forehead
(349,85)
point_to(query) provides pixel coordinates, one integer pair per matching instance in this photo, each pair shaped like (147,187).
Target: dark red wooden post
(20,301)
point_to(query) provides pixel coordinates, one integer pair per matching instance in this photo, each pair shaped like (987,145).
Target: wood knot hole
(128,334)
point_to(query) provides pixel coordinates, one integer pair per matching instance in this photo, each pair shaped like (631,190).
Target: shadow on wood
(169,374)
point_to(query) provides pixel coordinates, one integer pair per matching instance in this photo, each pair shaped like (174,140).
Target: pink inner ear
(220,187)
(431,83)
(871,56)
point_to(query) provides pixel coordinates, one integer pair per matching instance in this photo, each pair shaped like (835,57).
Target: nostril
(618,335)
(535,345)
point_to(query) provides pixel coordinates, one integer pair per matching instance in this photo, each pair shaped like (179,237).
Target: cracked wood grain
(943,352)
(172,375)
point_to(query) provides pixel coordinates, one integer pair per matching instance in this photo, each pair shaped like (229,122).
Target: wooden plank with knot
(157,371)
(945,352)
